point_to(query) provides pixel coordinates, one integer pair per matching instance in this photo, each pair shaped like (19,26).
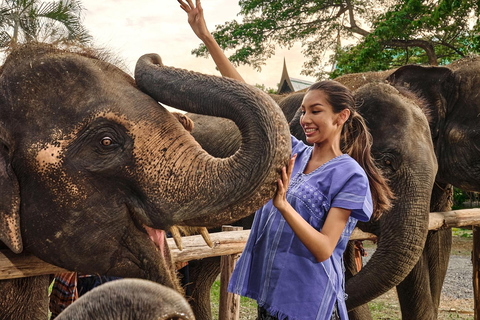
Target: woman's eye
(106,141)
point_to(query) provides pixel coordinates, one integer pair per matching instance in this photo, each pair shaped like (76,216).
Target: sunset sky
(133,28)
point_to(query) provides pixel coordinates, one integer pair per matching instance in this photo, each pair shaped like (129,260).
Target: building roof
(288,84)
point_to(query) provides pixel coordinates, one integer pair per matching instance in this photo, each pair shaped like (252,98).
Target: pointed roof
(285,85)
(288,84)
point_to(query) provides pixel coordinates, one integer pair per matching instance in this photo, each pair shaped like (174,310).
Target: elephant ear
(9,198)
(434,86)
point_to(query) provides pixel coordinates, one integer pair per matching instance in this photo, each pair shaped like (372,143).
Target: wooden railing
(231,243)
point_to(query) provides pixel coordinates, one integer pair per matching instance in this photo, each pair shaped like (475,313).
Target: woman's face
(319,122)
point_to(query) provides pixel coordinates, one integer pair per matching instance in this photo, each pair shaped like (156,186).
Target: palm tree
(57,22)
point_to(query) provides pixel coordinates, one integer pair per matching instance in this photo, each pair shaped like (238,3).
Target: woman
(292,263)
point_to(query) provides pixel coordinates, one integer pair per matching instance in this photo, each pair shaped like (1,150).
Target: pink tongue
(158,237)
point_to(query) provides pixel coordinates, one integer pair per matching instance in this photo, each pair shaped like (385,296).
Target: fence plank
(24,265)
(455,218)
(224,243)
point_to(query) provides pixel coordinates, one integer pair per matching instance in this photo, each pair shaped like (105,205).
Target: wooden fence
(230,244)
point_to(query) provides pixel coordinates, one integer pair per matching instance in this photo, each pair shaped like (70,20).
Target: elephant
(450,94)
(129,299)
(399,129)
(452,105)
(93,168)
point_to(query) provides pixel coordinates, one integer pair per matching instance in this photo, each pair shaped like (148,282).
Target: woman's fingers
(291,163)
(190,3)
(183,5)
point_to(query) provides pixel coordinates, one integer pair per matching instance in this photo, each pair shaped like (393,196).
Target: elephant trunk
(401,239)
(216,190)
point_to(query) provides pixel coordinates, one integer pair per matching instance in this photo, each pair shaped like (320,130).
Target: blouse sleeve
(297,145)
(354,194)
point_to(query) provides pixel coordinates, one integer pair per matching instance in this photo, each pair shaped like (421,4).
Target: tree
(360,35)
(57,22)
(415,31)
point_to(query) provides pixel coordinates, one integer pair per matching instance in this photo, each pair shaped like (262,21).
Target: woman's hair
(357,142)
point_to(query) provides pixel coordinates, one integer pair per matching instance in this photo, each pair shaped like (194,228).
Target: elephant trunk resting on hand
(92,168)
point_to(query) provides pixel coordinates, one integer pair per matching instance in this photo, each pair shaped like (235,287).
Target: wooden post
(476,271)
(229,308)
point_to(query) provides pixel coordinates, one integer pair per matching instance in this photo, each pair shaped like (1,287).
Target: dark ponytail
(357,142)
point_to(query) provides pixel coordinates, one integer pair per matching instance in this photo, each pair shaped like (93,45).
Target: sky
(133,28)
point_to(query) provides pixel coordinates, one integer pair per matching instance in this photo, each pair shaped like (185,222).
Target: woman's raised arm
(199,27)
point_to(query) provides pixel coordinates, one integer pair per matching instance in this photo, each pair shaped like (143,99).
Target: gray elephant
(92,168)
(399,129)
(129,299)
(452,103)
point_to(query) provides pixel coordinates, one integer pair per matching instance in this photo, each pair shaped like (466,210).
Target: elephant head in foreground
(129,299)
(92,167)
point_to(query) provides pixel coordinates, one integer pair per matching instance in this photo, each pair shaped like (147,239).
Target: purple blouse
(276,269)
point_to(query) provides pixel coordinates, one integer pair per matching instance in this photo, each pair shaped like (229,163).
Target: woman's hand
(195,18)
(280,198)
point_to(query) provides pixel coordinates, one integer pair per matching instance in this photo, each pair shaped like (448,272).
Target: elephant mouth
(156,236)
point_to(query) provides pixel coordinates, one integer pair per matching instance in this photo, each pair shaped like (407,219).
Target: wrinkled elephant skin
(451,99)
(88,161)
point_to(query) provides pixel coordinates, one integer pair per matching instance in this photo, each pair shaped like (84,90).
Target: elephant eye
(106,141)
(388,162)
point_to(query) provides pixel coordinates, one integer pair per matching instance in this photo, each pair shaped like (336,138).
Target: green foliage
(463,233)
(459,197)
(265,89)
(415,31)
(382,33)
(56,22)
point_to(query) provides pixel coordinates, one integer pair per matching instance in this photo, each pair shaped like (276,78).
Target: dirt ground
(457,293)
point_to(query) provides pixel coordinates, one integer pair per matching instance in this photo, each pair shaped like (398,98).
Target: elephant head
(403,150)
(453,103)
(89,163)
(129,299)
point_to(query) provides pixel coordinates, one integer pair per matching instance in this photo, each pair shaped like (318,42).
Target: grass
(462,233)
(248,307)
